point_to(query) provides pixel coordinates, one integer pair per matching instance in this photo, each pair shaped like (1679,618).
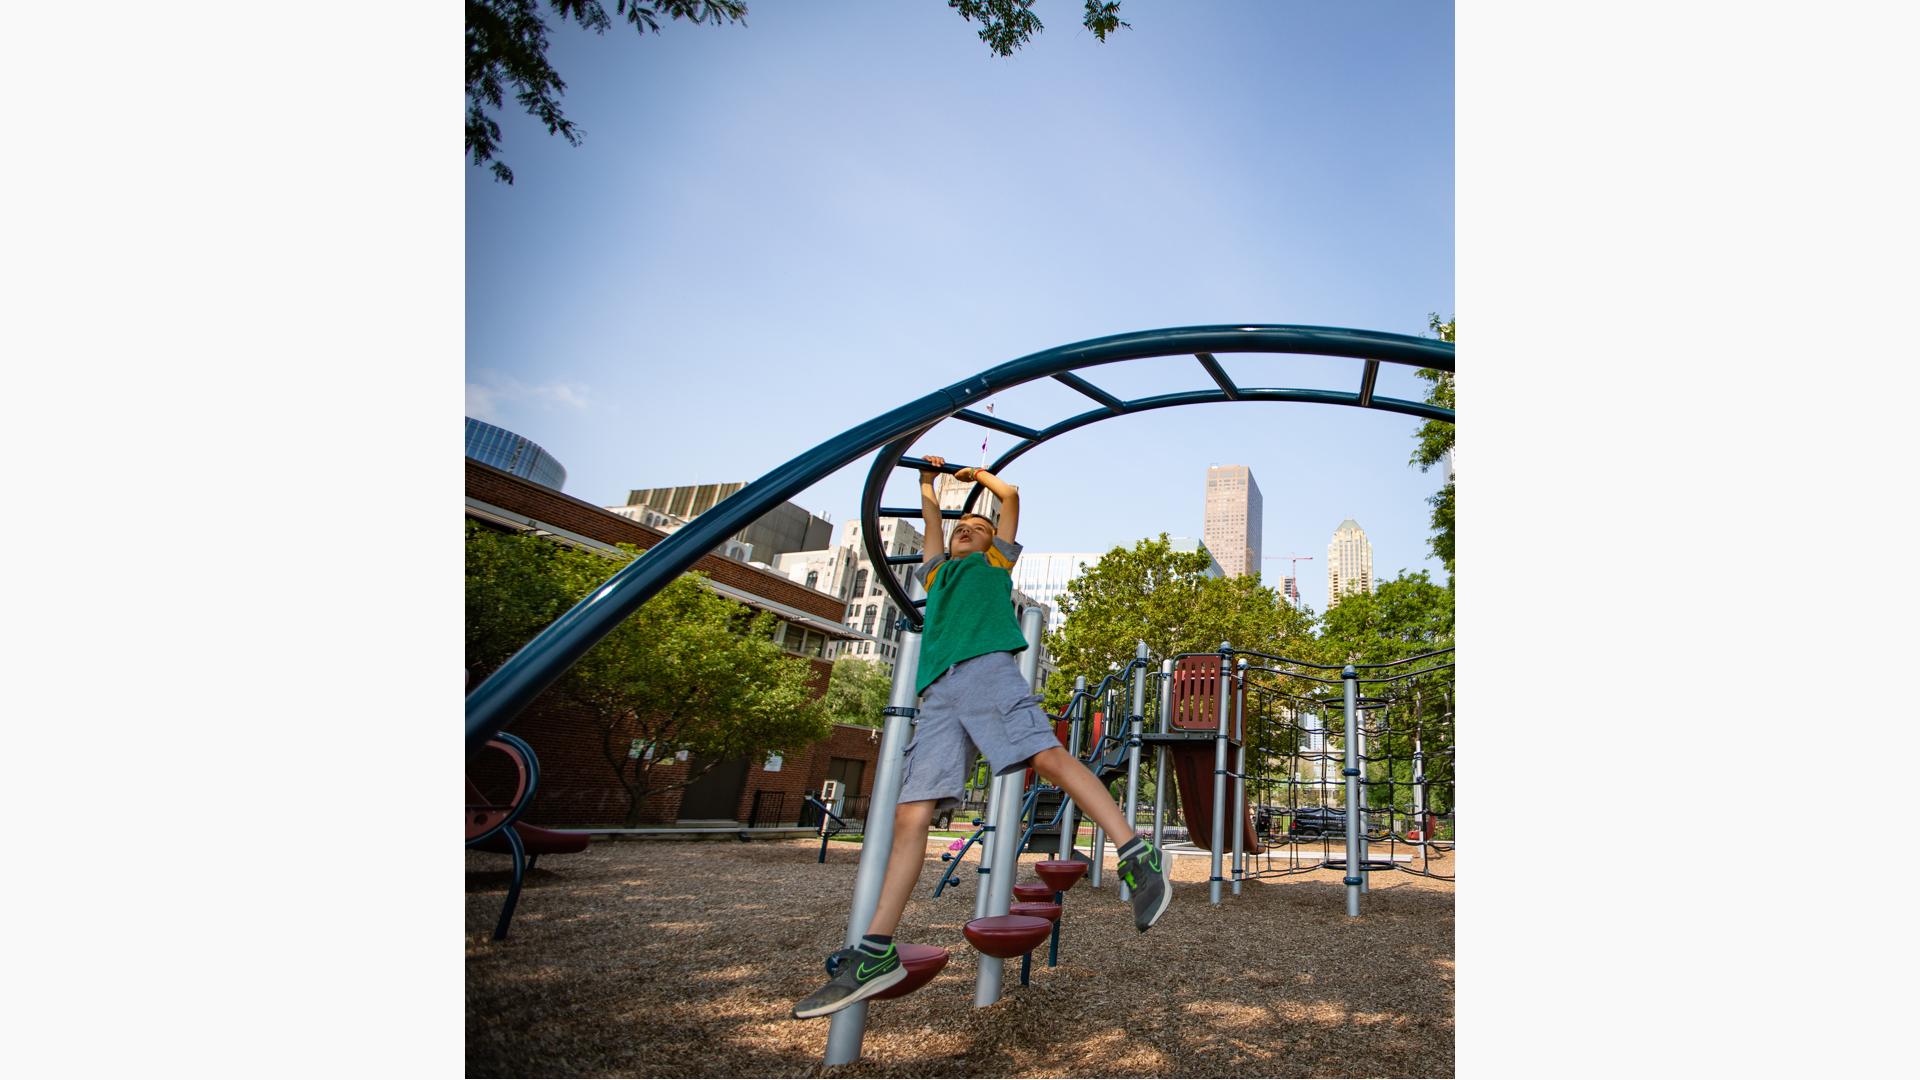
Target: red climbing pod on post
(1060,874)
(1007,936)
(922,962)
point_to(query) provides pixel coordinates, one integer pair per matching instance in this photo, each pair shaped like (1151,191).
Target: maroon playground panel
(1196,696)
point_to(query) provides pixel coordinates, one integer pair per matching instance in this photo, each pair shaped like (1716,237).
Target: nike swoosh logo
(866,972)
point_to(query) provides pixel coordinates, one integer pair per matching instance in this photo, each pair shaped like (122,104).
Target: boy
(973,695)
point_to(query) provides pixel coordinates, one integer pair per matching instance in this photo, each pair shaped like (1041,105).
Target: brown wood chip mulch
(683,959)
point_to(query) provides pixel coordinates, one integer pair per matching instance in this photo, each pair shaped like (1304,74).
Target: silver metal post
(1420,785)
(849,1025)
(1366,821)
(1099,834)
(1240,781)
(1069,825)
(1419,788)
(1160,752)
(1420,793)
(1003,822)
(1353,881)
(1136,725)
(1219,837)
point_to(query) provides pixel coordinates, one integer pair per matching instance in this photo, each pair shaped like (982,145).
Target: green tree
(857,693)
(1155,594)
(691,670)
(507,50)
(515,587)
(1433,442)
(1409,615)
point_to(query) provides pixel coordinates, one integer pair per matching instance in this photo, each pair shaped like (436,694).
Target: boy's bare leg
(1146,870)
(904,863)
(1089,795)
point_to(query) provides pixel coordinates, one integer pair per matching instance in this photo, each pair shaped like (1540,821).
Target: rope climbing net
(1296,755)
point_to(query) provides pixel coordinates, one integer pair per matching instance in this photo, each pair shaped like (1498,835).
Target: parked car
(1265,817)
(1318,821)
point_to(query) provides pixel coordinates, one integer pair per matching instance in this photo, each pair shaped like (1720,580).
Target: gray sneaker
(1149,878)
(857,976)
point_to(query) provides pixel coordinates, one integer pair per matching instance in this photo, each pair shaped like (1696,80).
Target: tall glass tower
(516,454)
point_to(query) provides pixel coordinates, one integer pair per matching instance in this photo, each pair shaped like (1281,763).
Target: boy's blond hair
(970,514)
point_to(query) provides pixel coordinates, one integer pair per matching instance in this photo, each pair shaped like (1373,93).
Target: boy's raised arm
(1008,495)
(936,544)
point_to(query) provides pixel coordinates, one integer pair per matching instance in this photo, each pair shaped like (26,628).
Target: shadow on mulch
(683,959)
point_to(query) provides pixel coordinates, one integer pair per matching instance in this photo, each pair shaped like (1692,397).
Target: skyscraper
(1044,575)
(1232,529)
(519,455)
(1349,562)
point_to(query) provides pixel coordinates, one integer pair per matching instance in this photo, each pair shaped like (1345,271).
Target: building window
(813,578)
(860,582)
(886,626)
(866,624)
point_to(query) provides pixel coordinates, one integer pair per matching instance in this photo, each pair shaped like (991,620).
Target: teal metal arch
(493,705)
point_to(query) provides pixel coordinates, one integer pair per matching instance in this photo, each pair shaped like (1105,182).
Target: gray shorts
(984,702)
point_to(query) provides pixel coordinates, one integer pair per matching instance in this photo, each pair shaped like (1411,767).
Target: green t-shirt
(969,609)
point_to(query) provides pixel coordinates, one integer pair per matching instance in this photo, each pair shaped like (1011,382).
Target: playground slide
(1193,770)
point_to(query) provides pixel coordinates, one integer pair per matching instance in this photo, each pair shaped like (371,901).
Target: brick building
(578,787)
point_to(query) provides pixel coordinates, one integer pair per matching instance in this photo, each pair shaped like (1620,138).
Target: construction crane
(1293,572)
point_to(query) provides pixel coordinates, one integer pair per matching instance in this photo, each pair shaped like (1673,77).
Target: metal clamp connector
(900,710)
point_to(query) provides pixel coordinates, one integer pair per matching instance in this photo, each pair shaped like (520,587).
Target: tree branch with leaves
(507,48)
(507,51)
(1433,442)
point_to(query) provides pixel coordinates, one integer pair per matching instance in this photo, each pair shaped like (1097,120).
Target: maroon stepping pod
(1033,892)
(922,962)
(1037,909)
(1060,873)
(1007,936)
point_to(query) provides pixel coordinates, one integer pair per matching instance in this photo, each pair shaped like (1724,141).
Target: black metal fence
(769,808)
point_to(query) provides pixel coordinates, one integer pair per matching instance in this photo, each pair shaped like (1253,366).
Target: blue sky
(777,231)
